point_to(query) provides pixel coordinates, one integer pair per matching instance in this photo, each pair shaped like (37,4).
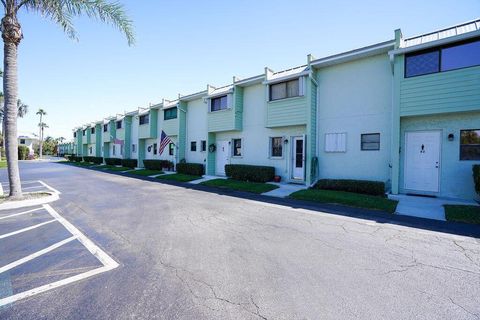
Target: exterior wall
(134,134)
(355,98)
(98,140)
(455,176)
(451,91)
(128,135)
(256,137)
(182,130)
(286,112)
(94,150)
(28,143)
(149,143)
(229,119)
(169,126)
(196,123)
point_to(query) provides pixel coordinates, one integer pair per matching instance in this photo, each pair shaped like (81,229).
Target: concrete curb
(30,202)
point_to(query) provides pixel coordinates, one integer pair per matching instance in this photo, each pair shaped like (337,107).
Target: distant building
(28,141)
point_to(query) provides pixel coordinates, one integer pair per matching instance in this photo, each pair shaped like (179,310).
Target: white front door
(298,158)
(422,160)
(221,157)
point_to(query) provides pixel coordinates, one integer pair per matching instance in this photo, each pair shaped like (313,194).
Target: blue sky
(183,45)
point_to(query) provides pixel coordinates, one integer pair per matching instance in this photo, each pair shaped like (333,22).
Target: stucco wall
(196,123)
(134,138)
(355,98)
(455,176)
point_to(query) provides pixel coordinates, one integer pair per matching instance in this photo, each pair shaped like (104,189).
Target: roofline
(435,43)
(368,51)
(442,29)
(193,96)
(250,81)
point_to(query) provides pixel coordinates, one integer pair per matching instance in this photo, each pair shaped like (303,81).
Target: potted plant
(277,178)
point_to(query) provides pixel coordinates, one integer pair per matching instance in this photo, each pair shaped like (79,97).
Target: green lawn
(146,172)
(254,187)
(115,168)
(3,163)
(461,213)
(346,198)
(178,177)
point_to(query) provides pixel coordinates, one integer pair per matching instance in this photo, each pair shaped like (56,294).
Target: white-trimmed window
(336,142)
(105,127)
(237,147)
(276,147)
(171,148)
(155,148)
(113,150)
(219,103)
(90,150)
(134,148)
(143,119)
(193,146)
(119,124)
(285,89)
(203,145)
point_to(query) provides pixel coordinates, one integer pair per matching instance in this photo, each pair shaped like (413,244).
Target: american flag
(164,141)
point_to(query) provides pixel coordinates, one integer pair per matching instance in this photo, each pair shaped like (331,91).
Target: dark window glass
(113,149)
(470,144)
(105,127)
(276,145)
(119,124)
(203,145)
(144,119)
(370,141)
(169,114)
(461,56)
(286,89)
(299,154)
(22,141)
(422,63)
(92,130)
(171,147)
(154,148)
(193,146)
(84,132)
(219,103)
(134,148)
(74,134)
(237,147)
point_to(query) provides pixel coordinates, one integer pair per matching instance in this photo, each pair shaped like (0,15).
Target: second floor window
(84,132)
(105,127)
(144,119)
(193,146)
(170,113)
(92,130)
(286,89)
(74,134)
(219,103)
(119,124)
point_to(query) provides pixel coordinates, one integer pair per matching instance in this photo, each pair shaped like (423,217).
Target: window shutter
(335,142)
(301,86)
(229,101)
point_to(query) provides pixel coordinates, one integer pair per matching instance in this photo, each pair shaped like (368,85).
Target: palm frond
(62,12)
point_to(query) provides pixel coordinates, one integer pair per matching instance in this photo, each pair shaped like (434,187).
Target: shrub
(249,173)
(113,161)
(76,159)
(87,159)
(23,152)
(96,160)
(157,164)
(129,163)
(376,188)
(194,169)
(476,177)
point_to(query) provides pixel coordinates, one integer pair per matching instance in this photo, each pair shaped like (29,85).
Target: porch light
(285,141)
(451,136)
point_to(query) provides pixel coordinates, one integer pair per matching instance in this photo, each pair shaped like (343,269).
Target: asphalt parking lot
(184,253)
(42,251)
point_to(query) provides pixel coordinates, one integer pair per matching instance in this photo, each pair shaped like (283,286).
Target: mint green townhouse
(404,111)
(436,111)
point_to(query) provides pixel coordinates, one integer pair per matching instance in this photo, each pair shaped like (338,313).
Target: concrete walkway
(206,178)
(284,189)
(424,207)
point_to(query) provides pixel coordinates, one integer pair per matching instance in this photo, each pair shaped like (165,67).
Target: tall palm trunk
(40,151)
(11,34)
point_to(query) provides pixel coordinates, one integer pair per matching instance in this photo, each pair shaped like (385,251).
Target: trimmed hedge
(96,160)
(157,164)
(250,173)
(194,169)
(129,163)
(23,152)
(113,161)
(476,177)
(76,159)
(375,188)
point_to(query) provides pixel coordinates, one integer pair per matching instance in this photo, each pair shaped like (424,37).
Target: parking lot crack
(464,309)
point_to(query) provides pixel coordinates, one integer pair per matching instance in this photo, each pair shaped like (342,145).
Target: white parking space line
(21,213)
(35,255)
(106,260)
(3,236)
(48,187)
(23,182)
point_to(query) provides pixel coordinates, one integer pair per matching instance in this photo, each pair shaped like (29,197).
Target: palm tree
(41,125)
(22,111)
(62,12)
